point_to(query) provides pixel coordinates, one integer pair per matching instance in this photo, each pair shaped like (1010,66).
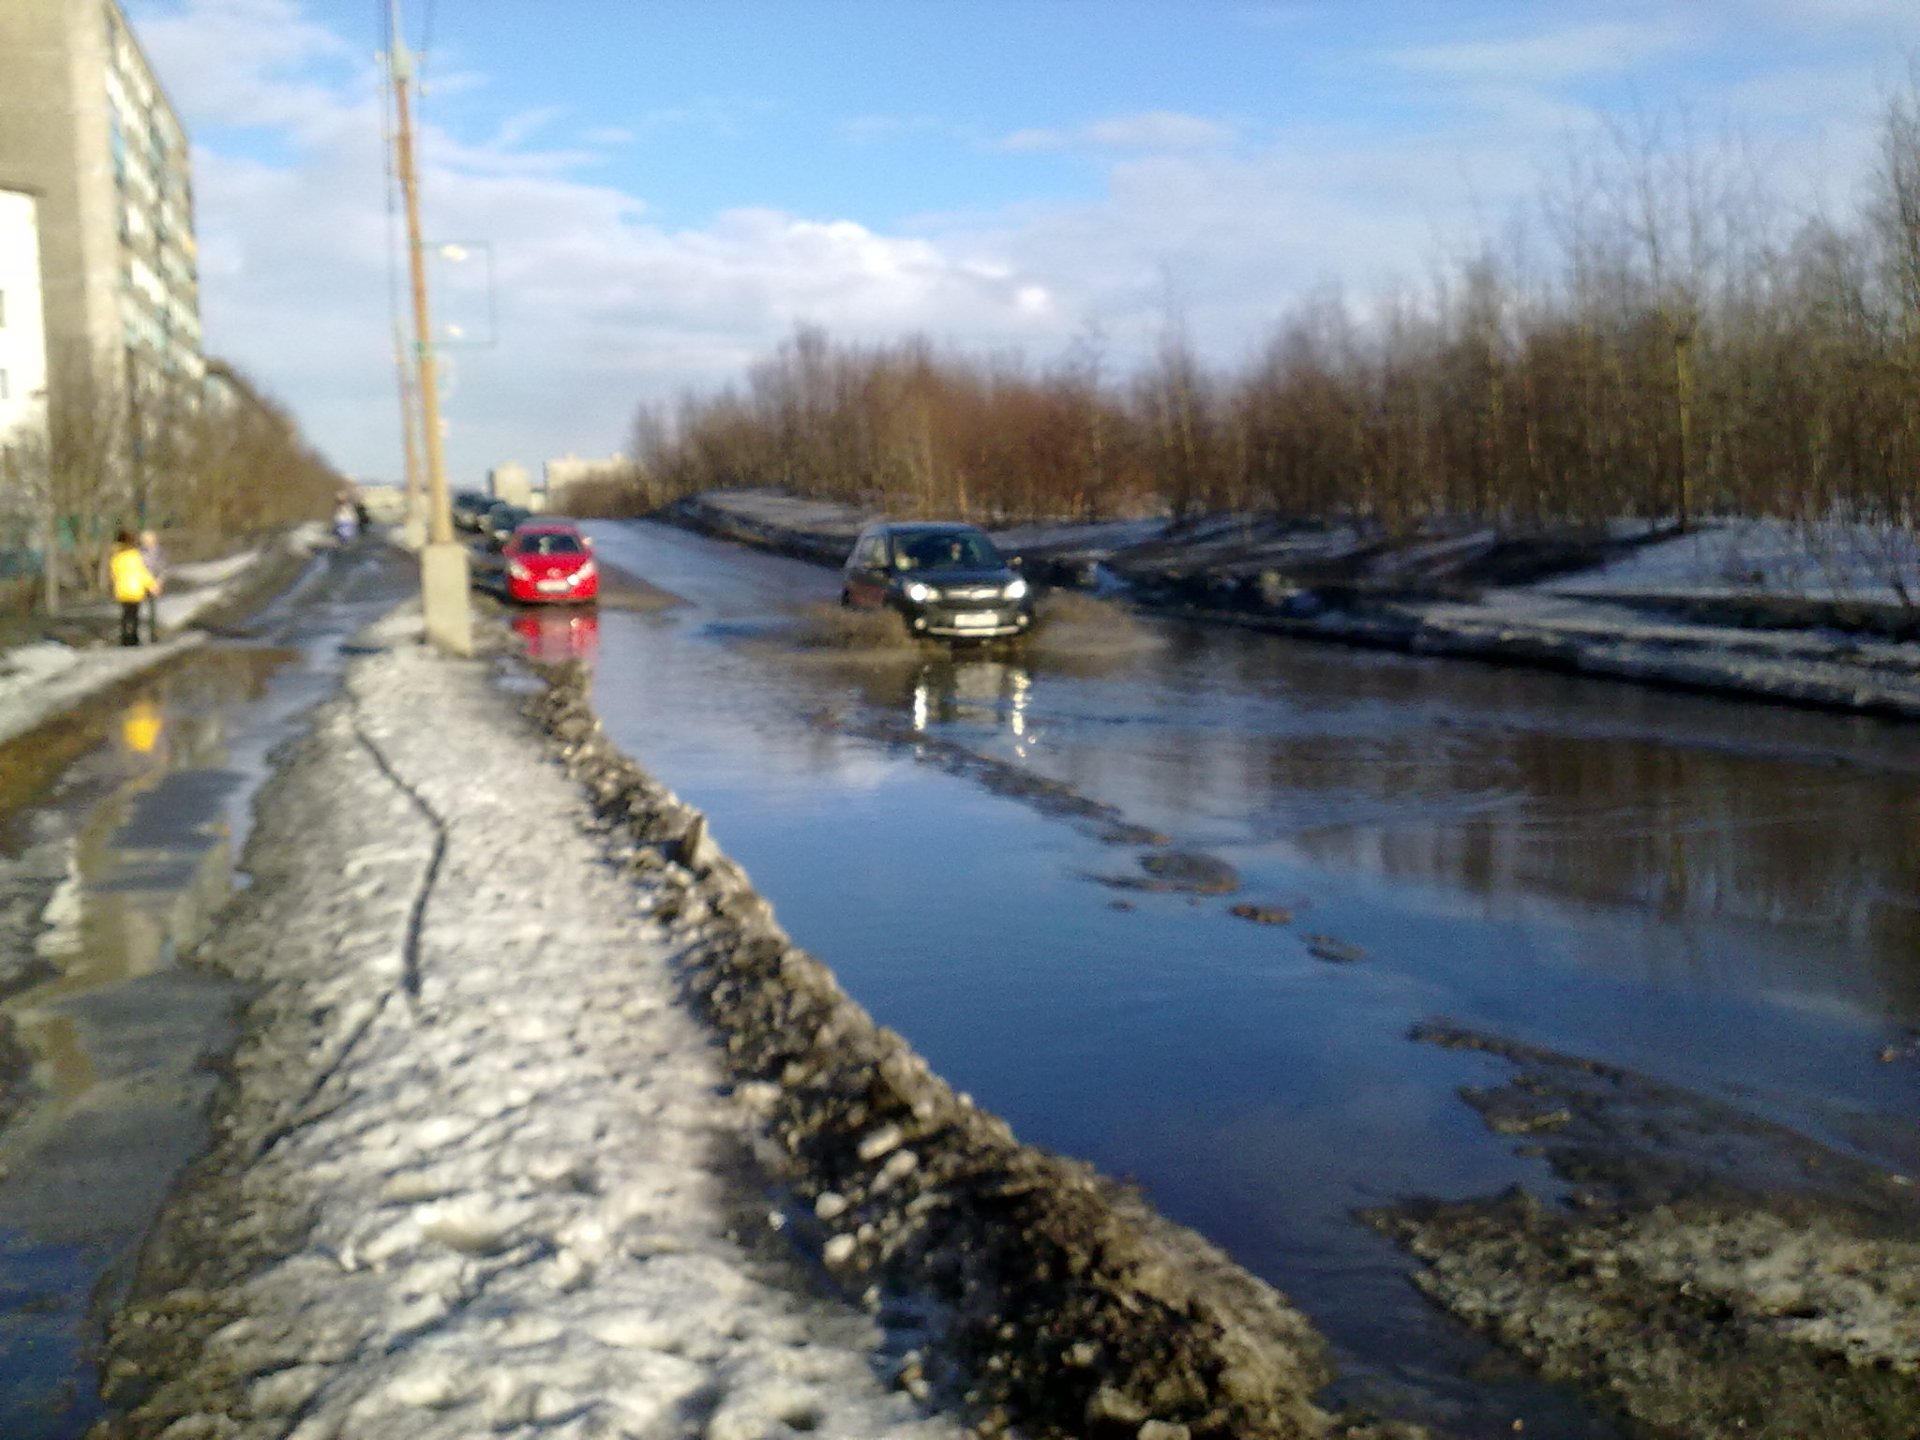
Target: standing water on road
(1724,897)
(117,847)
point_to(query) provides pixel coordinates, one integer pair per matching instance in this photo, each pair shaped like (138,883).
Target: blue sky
(666,188)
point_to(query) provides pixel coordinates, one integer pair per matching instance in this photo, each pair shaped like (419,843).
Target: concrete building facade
(23,338)
(511,483)
(85,124)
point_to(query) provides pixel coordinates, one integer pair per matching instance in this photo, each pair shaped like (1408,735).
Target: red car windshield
(550,542)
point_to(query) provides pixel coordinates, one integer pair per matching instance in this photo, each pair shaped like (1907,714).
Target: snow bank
(1831,561)
(476,1171)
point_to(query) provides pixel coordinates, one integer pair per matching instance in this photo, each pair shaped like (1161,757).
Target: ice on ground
(1816,561)
(512,1175)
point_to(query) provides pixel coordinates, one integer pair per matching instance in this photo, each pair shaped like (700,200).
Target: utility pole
(443,561)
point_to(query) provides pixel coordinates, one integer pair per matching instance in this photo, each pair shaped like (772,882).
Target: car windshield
(550,542)
(944,550)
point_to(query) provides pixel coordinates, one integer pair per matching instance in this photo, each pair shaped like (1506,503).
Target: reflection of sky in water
(1683,886)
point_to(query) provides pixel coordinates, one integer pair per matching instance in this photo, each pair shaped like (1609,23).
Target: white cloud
(1153,130)
(598,309)
(1548,56)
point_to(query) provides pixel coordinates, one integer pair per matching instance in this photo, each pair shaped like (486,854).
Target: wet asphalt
(117,848)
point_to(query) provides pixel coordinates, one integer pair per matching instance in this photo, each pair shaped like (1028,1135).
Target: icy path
(473,1172)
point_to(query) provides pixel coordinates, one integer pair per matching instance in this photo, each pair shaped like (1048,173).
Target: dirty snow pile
(473,1173)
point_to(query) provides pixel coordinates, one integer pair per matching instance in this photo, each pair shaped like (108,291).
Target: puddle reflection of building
(554,635)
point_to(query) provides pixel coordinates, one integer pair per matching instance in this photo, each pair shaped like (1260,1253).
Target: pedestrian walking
(346,524)
(156,561)
(133,583)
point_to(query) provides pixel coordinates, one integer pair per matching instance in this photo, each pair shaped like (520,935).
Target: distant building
(571,471)
(510,482)
(23,339)
(85,124)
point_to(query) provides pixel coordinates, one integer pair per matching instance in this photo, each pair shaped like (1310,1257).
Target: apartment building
(85,124)
(23,340)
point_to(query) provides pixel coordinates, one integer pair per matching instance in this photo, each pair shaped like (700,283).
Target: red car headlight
(518,571)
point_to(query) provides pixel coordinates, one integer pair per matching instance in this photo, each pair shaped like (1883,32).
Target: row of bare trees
(208,468)
(1685,349)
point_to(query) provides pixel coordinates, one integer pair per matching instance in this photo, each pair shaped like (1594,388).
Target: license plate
(975,619)
(551,587)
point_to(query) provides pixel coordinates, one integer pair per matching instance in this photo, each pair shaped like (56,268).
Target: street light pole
(443,562)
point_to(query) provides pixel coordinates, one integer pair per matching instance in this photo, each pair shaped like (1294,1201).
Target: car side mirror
(1014,561)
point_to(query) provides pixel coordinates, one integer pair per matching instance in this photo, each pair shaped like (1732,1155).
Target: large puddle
(1725,897)
(114,855)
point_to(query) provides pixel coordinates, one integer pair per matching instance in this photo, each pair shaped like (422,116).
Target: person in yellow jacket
(133,582)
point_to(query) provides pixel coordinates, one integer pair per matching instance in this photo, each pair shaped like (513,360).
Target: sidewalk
(481,1170)
(44,677)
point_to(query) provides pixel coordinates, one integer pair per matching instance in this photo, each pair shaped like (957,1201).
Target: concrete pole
(443,560)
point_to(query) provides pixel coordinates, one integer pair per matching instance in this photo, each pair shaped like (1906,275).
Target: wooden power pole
(443,561)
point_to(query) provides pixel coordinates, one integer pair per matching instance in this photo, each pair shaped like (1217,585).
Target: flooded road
(116,848)
(1723,897)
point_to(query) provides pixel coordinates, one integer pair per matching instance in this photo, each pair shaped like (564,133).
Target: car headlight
(1016,589)
(920,592)
(585,573)
(518,571)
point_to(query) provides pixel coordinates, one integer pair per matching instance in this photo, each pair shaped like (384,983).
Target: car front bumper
(534,592)
(967,622)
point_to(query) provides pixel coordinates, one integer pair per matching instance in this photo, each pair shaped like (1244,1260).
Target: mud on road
(1712,1274)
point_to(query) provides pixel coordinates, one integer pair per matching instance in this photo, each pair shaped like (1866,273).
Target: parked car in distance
(468,506)
(500,521)
(945,579)
(549,561)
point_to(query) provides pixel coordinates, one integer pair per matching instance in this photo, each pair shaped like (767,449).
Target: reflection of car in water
(552,636)
(944,578)
(972,692)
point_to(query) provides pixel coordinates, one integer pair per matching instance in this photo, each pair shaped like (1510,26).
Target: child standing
(132,584)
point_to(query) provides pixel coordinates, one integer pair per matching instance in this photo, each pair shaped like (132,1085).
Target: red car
(549,560)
